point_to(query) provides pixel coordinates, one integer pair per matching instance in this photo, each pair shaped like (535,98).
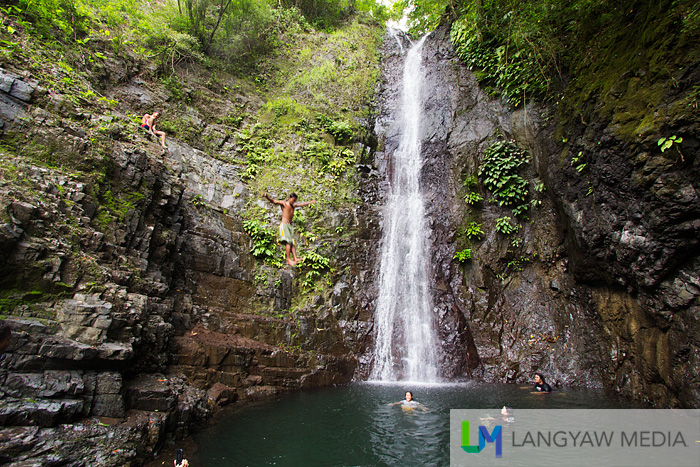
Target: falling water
(395,34)
(406,347)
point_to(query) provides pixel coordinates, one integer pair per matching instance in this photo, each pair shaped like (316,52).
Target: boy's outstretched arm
(272,200)
(305,203)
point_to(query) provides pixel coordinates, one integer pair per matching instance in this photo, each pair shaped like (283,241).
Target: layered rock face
(599,286)
(135,305)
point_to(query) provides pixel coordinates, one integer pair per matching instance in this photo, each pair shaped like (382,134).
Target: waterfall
(406,345)
(395,34)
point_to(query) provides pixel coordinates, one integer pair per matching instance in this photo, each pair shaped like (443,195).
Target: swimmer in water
(540,385)
(409,404)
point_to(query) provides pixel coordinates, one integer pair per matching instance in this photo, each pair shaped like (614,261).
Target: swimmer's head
(539,377)
(409,396)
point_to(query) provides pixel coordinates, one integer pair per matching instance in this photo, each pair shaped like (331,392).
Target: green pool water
(354,426)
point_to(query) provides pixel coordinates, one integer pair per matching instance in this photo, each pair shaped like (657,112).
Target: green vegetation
(505,225)
(264,243)
(279,89)
(598,60)
(577,162)
(220,34)
(473,197)
(303,137)
(512,47)
(198,201)
(313,265)
(516,264)
(474,230)
(499,173)
(117,206)
(671,141)
(535,41)
(32,302)
(463,256)
(424,15)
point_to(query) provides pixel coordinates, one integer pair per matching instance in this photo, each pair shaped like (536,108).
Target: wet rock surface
(598,290)
(16,92)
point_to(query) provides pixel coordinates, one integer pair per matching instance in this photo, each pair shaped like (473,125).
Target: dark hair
(541,376)
(409,392)
(293,195)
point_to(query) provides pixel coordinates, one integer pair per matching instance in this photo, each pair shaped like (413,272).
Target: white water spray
(406,345)
(395,34)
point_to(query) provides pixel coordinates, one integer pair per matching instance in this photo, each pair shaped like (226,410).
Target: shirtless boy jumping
(286,231)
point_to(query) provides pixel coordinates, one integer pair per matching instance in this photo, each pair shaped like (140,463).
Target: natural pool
(353,425)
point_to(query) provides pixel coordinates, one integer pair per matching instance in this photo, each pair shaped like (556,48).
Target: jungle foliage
(526,49)
(239,32)
(499,172)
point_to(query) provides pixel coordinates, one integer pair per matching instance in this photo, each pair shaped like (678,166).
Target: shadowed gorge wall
(597,286)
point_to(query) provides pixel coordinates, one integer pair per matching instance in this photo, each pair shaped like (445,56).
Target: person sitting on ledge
(148,123)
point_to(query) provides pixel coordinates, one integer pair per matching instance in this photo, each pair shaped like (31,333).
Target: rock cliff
(598,285)
(135,304)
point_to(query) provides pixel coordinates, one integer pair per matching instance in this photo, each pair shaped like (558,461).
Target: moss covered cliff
(144,286)
(605,105)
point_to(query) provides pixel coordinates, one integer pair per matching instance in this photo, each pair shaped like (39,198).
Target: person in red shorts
(148,123)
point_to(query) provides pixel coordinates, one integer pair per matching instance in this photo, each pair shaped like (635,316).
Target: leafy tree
(54,18)
(321,12)
(423,15)
(233,29)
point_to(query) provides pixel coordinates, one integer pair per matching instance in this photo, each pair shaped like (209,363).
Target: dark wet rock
(600,290)
(151,393)
(50,383)
(108,400)
(22,212)
(221,394)
(91,442)
(137,293)
(213,360)
(85,319)
(44,413)
(15,94)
